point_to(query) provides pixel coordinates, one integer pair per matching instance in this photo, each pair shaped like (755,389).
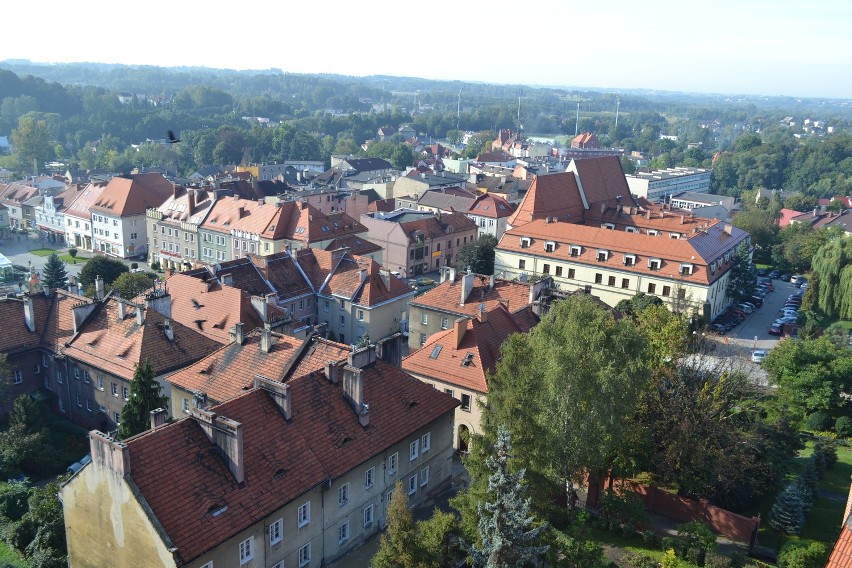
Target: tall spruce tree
(741,283)
(145,396)
(787,514)
(54,275)
(510,535)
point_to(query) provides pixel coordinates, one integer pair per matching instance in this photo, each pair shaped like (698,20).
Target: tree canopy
(54,275)
(478,255)
(145,396)
(107,268)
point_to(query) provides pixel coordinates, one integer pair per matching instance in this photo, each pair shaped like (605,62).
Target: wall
(470,418)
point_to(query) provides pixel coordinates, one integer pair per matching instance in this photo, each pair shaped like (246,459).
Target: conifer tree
(787,514)
(510,535)
(54,275)
(145,396)
(397,547)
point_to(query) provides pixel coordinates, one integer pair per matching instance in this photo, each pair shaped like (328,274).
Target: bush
(843,426)
(623,510)
(134,265)
(802,554)
(819,421)
(697,535)
(828,448)
(155,265)
(641,561)
(716,560)
(695,555)
(673,543)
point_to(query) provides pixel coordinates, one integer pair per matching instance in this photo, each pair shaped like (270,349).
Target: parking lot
(753,333)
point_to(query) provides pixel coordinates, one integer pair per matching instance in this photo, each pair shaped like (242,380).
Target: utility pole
(458,110)
(519,113)
(617,103)
(577,124)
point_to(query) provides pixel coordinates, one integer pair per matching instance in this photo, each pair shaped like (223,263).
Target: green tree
(402,157)
(802,554)
(509,534)
(25,445)
(47,549)
(107,268)
(832,265)
(437,540)
(760,224)
(145,396)
(398,546)
(32,141)
(787,514)
(741,280)
(478,255)
(54,275)
(129,285)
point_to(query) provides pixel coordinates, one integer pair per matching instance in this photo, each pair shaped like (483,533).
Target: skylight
(436,351)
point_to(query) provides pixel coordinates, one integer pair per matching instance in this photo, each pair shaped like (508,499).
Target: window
(686,269)
(59,378)
(100,383)
(369,478)
(674,235)
(525,242)
(629,259)
(247,550)
(426,442)
(133,236)
(545,269)
(653,232)
(681,293)
(559,271)
(412,484)
(275,532)
(445,323)
(610,281)
(631,229)
(424,476)
(549,246)
(79,400)
(326,305)
(19,376)
(185,405)
(303,515)
(125,392)
(602,255)
(368,516)
(654,263)
(625,283)
(465,402)
(652,288)
(598,278)
(413,450)
(449,392)
(343,533)
(45,361)
(360,314)
(114,389)
(424,318)
(667,290)
(575,250)
(86,377)
(61,406)
(422,339)
(342,320)
(305,555)
(392,463)
(343,494)
(522,264)
(116,417)
(88,405)
(571,273)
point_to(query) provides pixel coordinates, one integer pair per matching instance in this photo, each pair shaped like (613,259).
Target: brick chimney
(280,393)
(482,314)
(238,334)
(99,287)
(158,418)
(266,338)
(331,371)
(190,201)
(108,453)
(29,313)
(459,329)
(227,436)
(353,391)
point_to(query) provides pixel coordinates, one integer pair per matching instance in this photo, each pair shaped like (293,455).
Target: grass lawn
(68,259)
(42,252)
(10,557)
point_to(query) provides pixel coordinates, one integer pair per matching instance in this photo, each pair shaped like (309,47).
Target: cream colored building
(287,474)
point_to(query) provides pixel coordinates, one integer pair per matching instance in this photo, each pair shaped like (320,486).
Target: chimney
(452,274)
(816,211)
(226,435)
(108,453)
(385,276)
(603,207)
(73,286)
(362,357)
(190,201)
(199,399)
(238,334)
(481,314)
(331,371)
(728,228)
(491,282)
(363,275)
(280,393)
(99,287)
(241,210)
(160,301)
(158,418)
(648,214)
(681,219)
(169,330)
(260,306)
(459,329)
(80,312)
(467,286)
(29,313)
(266,338)
(122,309)
(353,391)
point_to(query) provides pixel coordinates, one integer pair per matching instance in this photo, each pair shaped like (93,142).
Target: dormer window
(576,250)
(653,232)
(549,246)
(602,255)
(674,235)
(654,263)
(525,242)
(609,226)
(629,259)
(686,269)
(631,229)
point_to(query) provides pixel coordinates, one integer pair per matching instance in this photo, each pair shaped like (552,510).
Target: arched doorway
(464,439)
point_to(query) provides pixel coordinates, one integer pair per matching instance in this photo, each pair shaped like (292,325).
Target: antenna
(519,112)
(577,124)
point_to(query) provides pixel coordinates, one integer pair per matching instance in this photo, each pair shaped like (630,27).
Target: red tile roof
(440,359)
(16,336)
(551,195)
(602,180)
(490,205)
(786,216)
(126,196)
(355,244)
(243,275)
(183,479)
(85,197)
(438,226)
(16,193)
(281,271)
(841,555)
(446,296)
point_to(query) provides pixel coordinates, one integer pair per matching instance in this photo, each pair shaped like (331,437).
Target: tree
(48,546)
(129,285)
(54,275)
(741,279)
(398,546)
(802,554)
(107,268)
(31,140)
(787,514)
(402,157)
(510,535)
(760,224)
(145,396)
(73,253)
(478,255)
(832,265)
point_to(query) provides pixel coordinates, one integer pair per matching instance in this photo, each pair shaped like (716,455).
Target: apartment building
(656,185)
(173,227)
(78,216)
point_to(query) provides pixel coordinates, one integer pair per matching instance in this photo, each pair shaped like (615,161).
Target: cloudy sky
(781,47)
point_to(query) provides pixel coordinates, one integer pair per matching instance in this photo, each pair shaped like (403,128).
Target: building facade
(658,184)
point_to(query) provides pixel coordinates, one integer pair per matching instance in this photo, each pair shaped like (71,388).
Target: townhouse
(457,361)
(173,226)
(50,213)
(491,213)
(119,213)
(415,242)
(292,473)
(78,215)
(18,198)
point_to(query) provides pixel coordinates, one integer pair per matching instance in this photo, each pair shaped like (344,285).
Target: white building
(656,185)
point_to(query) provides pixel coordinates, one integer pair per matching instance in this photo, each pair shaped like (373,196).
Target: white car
(758,355)
(746,308)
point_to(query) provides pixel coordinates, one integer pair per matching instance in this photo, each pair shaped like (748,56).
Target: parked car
(735,311)
(785,277)
(775,274)
(718,328)
(752,305)
(794,279)
(776,329)
(786,319)
(804,286)
(766,284)
(746,308)
(757,301)
(758,355)
(424,281)
(762,272)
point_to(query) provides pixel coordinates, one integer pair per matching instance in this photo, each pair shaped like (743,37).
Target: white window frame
(305,555)
(393,462)
(276,532)
(605,254)
(655,263)
(343,495)
(303,515)
(370,478)
(246,550)
(368,516)
(424,476)
(686,269)
(550,246)
(525,242)
(424,318)
(653,232)
(19,377)
(575,250)
(412,484)
(343,533)
(426,442)
(413,450)
(609,226)
(629,259)
(445,323)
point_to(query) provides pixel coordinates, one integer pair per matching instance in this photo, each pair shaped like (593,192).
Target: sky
(782,47)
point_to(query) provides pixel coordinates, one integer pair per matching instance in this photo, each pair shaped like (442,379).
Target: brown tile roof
(446,296)
(490,205)
(187,205)
(552,195)
(494,156)
(367,290)
(435,227)
(451,199)
(841,555)
(439,358)
(308,224)
(355,244)
(244,275)
(125,196)
(317,264)
(116,346)
(209,307)
(59,325)
(383,205)
(16,193)
(183,479)
(281,271)
(85,197)
(697,250)
(251,216)
(16,336)
(603,181)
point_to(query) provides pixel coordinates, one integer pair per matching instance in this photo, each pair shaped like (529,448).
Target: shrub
(155,265)
(641,561)
(623,509)
(843,426)
(697,535)
(818,458)
(802,554)
(819,421)
(673,543)
(134,265)
(716,560)
(695,555)
(828,448)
